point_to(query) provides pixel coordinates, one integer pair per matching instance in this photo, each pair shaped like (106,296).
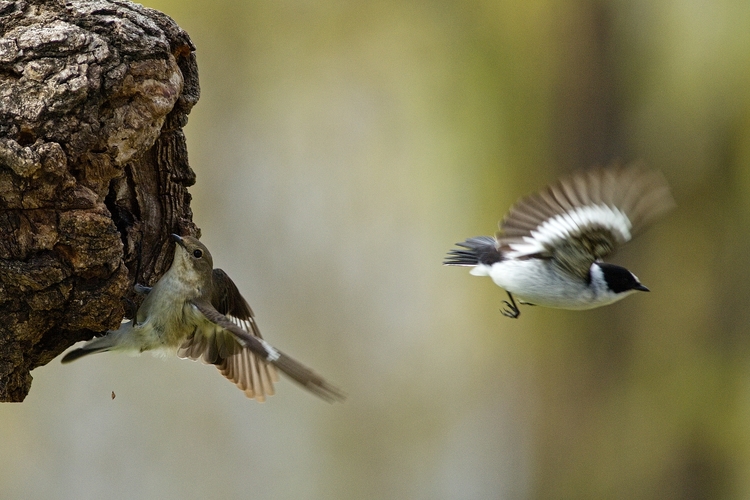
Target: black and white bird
(550,246)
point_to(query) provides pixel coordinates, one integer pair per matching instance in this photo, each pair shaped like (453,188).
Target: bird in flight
(550,245)
(197,312)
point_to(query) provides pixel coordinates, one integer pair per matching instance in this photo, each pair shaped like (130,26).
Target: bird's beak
(178,239)
(641,288)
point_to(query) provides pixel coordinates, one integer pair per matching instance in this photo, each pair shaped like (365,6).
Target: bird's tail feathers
(474,251)
(114,339)
(99,344)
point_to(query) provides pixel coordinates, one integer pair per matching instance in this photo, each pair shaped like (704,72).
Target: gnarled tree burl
(93,169)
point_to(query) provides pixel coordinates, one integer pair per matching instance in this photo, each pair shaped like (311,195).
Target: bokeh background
(341,149)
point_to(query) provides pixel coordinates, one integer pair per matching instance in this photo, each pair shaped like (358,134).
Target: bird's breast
(167,316)
(540,282)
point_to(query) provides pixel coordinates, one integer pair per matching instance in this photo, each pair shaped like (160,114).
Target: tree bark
(93,169)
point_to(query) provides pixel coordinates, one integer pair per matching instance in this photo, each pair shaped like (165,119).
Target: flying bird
(197,312)
(550,246)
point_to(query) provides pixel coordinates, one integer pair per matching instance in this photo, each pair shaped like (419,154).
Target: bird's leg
(511,311)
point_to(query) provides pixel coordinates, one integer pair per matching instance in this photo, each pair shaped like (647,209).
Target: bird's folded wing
(268,354)
(586,216)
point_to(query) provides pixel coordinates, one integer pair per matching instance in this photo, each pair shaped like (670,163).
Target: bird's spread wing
(583,218)
(244,368)
(250,347)
(226,297)
(219,346)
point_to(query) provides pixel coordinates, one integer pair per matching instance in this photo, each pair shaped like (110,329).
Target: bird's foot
(510,311)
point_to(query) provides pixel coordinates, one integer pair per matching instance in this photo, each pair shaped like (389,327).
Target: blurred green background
(341,149)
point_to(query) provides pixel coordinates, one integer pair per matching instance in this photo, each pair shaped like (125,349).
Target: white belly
(538,282)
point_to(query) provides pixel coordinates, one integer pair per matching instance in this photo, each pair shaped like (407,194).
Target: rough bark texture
(93,169)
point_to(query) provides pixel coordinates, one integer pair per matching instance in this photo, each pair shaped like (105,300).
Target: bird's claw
(511,311)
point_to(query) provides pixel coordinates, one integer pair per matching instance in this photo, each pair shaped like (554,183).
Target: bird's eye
(197,254)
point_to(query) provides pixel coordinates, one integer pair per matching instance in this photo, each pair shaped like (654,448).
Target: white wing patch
(562,226)
(273,354)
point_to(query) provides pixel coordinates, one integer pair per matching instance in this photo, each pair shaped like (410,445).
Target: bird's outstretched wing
(236,347)
(585,217)
(243,368)
(294,369)
(219,346)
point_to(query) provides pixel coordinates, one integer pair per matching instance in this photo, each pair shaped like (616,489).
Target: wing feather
(243,367)
(584,217)
(248,365)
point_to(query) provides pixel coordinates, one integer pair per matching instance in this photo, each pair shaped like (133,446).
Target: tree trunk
(93,169)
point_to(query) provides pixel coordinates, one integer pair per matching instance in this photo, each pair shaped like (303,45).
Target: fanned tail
(474,251)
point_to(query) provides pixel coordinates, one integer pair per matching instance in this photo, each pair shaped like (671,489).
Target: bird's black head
(619,279)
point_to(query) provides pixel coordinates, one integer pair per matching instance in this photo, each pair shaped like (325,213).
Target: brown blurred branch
(93,169)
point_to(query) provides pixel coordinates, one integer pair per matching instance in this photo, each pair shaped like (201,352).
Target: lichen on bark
(93,169)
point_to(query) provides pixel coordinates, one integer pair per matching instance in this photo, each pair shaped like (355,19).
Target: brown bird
(197,312)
